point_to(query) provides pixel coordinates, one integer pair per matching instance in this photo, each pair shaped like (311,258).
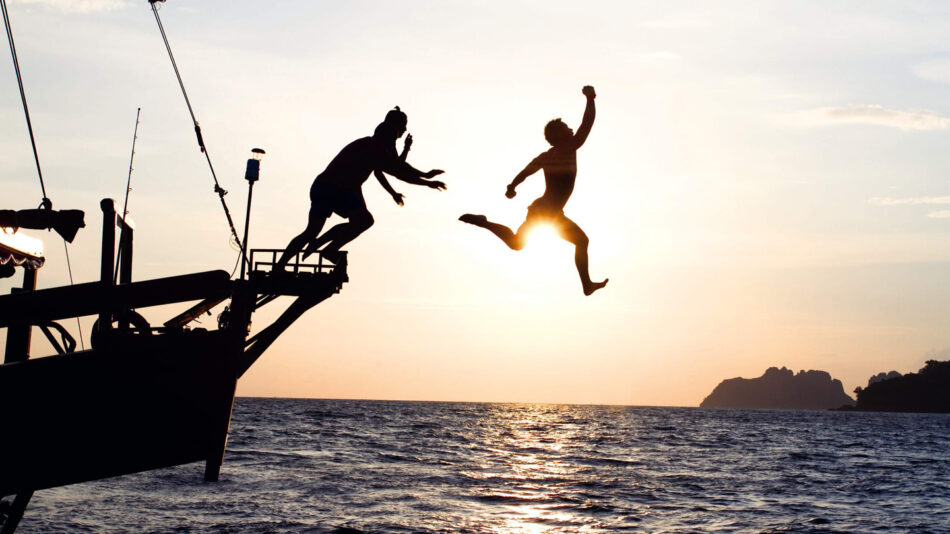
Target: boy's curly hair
(556,132)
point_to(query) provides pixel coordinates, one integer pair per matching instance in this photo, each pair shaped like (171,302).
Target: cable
(47,203)
(201,144)
(69,268)
(236,263)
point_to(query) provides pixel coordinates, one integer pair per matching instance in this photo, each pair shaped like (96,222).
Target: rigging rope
(201,144)
(70,269)
(46,203)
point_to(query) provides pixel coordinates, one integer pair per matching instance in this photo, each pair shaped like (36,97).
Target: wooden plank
(193,312)
(297,284)
(91,298)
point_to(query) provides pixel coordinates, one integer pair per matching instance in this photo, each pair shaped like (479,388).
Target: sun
(546,248)
(543,236)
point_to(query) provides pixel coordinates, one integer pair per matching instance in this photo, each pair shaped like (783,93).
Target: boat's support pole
(247,225)
(19,336)
(220,440)
(242,305)
(16,512)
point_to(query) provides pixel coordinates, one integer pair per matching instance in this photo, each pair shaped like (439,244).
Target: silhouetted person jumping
(560,170)
(338,189)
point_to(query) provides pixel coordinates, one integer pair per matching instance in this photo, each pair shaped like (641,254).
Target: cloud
(79,6)
(942,354)
(869,114)
(659,56)
(937,70)
(912,201)
(681,23)
(916,201)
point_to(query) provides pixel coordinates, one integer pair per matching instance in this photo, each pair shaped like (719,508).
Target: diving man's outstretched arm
(532,168)
(389,189)
(409,174)
(588,120)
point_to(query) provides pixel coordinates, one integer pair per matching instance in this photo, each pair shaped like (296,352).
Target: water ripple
(353,467)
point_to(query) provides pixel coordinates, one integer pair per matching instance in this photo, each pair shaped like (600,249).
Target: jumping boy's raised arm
(588,120)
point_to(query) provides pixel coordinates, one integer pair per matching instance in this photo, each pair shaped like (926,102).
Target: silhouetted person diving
(339,189)
(560,169)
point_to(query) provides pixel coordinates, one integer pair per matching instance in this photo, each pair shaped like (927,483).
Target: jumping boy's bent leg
(570,231)
(514,240)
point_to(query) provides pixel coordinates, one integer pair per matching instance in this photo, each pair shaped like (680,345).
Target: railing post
(125,263)
(107,269)
(19,336)
(125,258)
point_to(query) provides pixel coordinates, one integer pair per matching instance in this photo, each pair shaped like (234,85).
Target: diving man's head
(395,121)
(557,133)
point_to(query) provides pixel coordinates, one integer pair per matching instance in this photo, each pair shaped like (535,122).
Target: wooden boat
(142,397)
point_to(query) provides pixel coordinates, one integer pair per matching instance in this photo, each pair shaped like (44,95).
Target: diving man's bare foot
(335,256)
(309,249)
(594,286)
(477,220)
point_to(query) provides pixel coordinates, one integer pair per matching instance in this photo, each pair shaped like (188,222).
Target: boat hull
(142,403)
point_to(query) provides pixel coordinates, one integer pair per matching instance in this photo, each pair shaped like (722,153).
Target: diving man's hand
(589,91)
(510,193)
(435,184)
(398,198)
(408,142)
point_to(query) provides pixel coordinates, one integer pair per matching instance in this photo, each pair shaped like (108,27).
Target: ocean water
(364,466)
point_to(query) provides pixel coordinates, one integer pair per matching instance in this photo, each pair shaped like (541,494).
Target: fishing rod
(128,184)
(128,189)
(201,143)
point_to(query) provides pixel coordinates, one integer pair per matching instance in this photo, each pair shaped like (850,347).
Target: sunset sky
(766,183)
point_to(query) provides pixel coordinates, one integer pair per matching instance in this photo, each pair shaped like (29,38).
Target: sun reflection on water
(525,451)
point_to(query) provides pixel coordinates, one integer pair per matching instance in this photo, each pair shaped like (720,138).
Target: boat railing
(263,261)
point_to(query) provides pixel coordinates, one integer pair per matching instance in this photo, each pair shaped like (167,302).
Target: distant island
(926,391)
(781,389)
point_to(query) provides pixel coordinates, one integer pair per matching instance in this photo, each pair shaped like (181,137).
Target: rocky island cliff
(781,389)
(927,390)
